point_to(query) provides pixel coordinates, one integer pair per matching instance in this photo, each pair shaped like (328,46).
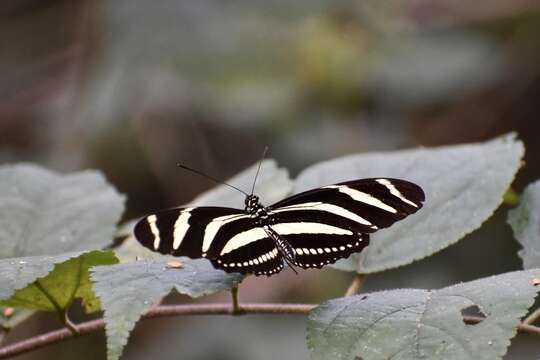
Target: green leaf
(43,212)
(128,290)
(57,290)
(525,221)
(464,185)
(420,324)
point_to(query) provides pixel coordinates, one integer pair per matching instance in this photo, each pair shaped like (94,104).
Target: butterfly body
(308,230)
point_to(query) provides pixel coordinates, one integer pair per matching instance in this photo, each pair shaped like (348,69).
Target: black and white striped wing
(228,237)
(339,218)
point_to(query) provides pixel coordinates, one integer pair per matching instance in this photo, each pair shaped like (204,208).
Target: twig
(531,319)
(356,284)
(69,324)
(88,327)
(236,309)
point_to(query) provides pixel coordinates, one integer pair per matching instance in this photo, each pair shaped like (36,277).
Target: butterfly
(308,230)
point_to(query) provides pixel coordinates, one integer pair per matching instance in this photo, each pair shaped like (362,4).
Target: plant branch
(531,319)
(88,327)
(236,309)
(356,284)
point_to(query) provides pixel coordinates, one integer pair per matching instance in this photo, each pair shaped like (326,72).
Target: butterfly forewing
(365,205)
(181,232)
(228,237)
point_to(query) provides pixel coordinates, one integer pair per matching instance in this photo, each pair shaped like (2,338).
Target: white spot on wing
(363,197)
(181,227)
(154,229)
(394,191)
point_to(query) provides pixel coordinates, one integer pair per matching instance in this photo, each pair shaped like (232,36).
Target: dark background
(132,87)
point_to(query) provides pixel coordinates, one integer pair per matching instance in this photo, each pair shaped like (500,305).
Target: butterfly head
(252,203)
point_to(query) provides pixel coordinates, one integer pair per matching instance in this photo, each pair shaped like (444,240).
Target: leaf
(464,185)
(421,324)
(525,222)
(16,273)
(128,290)
(42,212)
(68,280)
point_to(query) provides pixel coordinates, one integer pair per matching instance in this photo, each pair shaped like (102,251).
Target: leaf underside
(128,290)
(525,222)
(419,324)
(44,213)
(464,185)
(49,219)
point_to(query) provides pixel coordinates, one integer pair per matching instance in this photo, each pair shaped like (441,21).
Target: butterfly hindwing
(318,251)
(258,257)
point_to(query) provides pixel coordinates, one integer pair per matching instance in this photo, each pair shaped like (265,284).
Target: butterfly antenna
(258,169)
(209,177)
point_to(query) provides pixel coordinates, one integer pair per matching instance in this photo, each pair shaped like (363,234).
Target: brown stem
(531,319)
(356,284)
(236,309)
(88,327)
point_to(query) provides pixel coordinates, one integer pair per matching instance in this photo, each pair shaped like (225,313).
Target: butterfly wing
(228,237)
(338,219)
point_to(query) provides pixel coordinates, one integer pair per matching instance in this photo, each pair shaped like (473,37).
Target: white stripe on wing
(362,197)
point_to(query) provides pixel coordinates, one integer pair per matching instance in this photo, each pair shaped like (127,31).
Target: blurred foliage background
(132,87)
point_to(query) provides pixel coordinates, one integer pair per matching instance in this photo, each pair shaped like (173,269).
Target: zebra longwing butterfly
(308,230)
